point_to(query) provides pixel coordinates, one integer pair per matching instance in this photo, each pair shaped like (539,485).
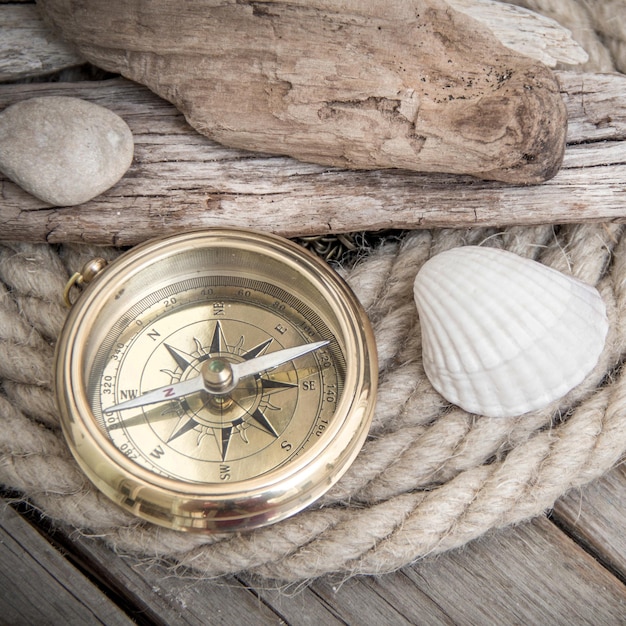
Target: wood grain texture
(409,84)
(595,517)
(529,574)
(181,180)
(158,593)
(28,47)
(529,33)
(39,586)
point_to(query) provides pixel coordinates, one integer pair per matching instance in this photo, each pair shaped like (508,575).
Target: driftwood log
(181,180)
(409,84)
(29,48)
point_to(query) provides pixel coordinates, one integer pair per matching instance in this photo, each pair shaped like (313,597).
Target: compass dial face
(265,421)
(216,380)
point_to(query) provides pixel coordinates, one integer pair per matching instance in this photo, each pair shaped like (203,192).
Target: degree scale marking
(268,386)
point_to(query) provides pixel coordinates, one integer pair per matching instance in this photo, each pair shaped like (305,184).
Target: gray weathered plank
(28,47)
(529,574)
(296,604)
(390,599)
(39,586)
(181,180)
(532,573)
(595,517)
(162,596)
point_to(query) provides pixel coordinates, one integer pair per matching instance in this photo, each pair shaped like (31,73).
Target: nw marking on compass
(229,414)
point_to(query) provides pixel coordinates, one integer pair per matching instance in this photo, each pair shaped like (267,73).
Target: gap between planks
(38,585)
(531,573)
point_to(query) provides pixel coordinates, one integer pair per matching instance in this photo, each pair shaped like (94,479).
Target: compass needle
(216,380)
(162,394)
(274,359)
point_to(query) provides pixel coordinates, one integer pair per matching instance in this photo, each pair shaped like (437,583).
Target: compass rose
(225,416)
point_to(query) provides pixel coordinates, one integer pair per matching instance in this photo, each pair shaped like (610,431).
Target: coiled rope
(429,478)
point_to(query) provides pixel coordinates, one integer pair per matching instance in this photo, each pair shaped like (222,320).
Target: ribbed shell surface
(503,335)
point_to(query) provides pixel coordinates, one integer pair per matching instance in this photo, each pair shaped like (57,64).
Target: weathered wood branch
(182,180)
(524,31)
(410,84)
(28,47)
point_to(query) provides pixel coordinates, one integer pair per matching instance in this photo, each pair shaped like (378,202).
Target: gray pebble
(63,150)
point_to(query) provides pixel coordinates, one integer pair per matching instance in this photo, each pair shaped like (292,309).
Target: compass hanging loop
(90,270)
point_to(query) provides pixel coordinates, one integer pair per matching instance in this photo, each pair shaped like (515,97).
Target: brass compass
(215,380)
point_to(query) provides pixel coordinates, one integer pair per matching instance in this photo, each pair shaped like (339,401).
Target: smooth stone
(63,150)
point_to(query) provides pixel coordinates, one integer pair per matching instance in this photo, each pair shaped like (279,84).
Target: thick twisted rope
(429,478)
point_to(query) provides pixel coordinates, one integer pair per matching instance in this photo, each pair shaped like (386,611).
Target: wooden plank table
(566,568)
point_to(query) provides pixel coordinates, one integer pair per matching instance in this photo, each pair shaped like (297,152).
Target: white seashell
(503,335)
